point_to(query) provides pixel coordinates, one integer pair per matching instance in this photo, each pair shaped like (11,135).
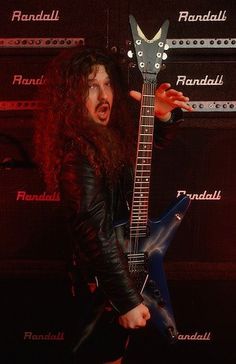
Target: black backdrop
(34,244)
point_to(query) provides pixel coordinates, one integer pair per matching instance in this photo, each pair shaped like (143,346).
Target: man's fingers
(168,96)
(148,316)
(163,87)
(183,105)
(136,95)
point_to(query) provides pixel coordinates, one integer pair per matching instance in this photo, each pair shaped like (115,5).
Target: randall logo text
(185,16)
(216,195)
(17,15)
(24,196)
(195,337)
(205,81)
(29,335)
(20,80)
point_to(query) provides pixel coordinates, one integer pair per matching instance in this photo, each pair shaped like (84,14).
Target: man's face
(100,96)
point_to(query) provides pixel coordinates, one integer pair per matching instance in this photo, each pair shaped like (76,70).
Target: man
(86,146)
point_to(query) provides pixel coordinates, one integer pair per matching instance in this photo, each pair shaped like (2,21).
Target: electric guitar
(149,240)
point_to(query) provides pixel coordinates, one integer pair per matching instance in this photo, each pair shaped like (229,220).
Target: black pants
(107,342)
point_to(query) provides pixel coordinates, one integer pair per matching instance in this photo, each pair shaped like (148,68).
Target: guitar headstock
(149,52)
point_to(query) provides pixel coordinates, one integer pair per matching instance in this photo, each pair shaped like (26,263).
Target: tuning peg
(166,47)
(164,56)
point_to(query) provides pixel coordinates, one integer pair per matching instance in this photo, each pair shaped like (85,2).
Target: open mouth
(103,111)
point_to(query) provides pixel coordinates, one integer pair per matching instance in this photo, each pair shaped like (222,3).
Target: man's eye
(93,86)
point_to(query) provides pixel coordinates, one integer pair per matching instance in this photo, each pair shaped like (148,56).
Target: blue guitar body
(146,265)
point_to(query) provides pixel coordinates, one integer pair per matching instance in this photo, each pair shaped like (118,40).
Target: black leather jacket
(92,209)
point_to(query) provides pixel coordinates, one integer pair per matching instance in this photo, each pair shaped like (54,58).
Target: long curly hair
(63,119)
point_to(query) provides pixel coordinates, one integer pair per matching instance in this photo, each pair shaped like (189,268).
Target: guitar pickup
(137,231)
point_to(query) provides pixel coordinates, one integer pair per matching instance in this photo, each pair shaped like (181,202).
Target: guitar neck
(140,203)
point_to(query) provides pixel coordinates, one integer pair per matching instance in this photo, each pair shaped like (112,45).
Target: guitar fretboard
(140,203)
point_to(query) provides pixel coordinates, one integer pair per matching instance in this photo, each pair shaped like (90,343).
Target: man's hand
(166,100)
(135,318)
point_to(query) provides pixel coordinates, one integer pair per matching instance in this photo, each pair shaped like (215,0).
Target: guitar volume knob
(178,217)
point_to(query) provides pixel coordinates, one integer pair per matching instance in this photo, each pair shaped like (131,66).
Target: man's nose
(102,93)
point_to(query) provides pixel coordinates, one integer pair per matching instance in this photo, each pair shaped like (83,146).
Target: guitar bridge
(137,263)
